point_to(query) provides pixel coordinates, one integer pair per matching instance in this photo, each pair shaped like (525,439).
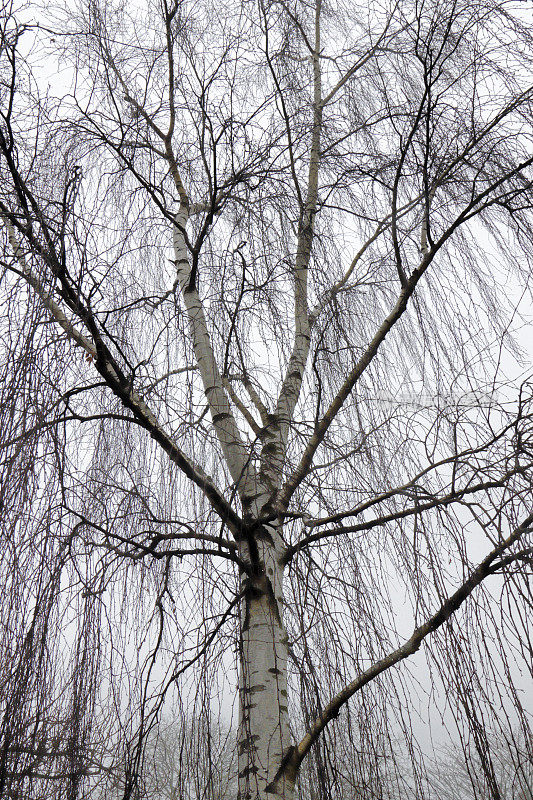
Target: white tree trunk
(264,739)
(235,453)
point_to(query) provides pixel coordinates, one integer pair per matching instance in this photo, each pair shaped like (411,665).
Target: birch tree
(265,413)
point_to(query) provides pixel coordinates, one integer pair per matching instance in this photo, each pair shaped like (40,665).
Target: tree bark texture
(264,738)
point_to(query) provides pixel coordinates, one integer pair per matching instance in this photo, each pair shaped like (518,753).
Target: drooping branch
(420,507)
(477,203)
(321,429)
(487,567)
(425,500)
(106,366)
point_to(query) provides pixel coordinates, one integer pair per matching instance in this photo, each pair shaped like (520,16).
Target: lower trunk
(264,738)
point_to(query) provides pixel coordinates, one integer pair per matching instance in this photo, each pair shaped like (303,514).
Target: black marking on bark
(258,687)
(283,693)
(272,787)
(273,421)
(273,603)
(270,447)
(253,770)
(220,417)
(253,559)
(193,277)
(248,744)
(264,535)
(247,500)
(275,671)
(246,621)
(254,591)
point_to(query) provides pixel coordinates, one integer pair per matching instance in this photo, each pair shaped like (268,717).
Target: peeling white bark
(264,738)
(235,452)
